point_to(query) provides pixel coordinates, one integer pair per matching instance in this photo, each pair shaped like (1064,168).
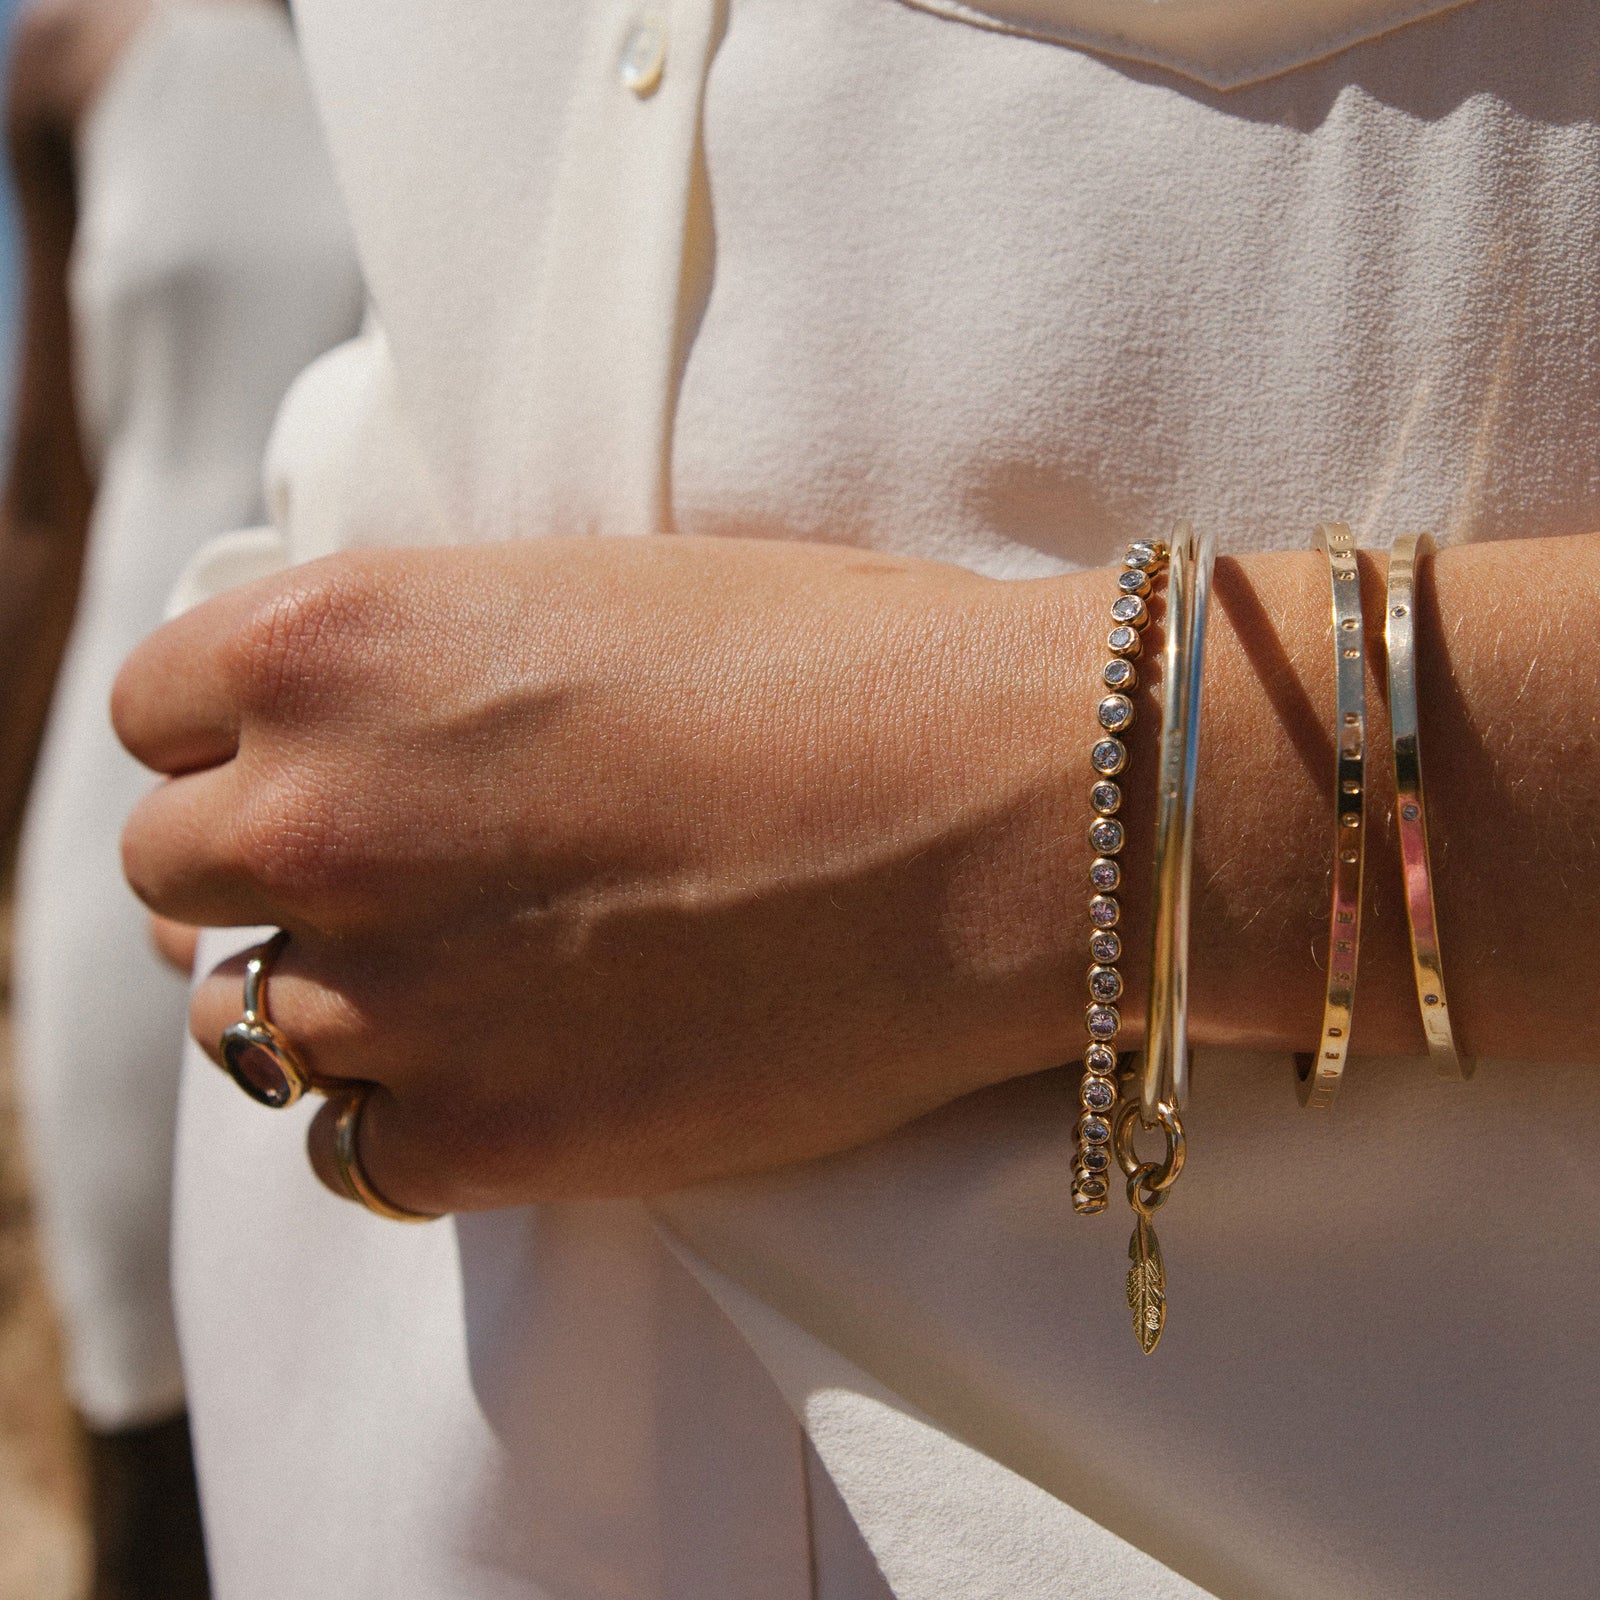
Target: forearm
(623,864)
(1510,724)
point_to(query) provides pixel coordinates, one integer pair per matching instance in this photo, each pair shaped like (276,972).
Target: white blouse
(1001,284)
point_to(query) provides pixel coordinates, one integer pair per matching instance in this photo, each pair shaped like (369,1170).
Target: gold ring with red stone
(256,1055)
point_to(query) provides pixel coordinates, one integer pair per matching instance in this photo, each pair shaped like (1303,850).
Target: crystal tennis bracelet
(1144,561)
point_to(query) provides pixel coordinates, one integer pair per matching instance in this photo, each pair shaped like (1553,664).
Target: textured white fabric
(1224,43)
(212,262)
(528,1404)
(901,280)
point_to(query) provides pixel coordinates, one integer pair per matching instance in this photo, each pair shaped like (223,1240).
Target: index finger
(177,704)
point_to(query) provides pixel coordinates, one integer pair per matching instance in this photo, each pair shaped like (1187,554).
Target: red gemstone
(254,1065)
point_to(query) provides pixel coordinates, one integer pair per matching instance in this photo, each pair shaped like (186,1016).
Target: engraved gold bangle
(1143,562)
(1165,1078)
(1411,812)
(347,1158)
(1318,1075)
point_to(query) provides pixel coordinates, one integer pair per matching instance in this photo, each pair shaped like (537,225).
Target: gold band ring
(347,1156)
(1411,813)
(256,1055)
(1318,1076)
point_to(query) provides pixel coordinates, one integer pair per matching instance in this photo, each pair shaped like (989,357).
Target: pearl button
(644,56)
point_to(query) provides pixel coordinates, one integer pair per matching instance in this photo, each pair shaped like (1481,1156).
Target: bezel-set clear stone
(1105,947)
(1105,834)
(1105,983)
(1094,1130)
(1098,1094)
(1108,757)
(1106,798)
(1093,1188)
(1129,608)
(1102,1021)
(1119,674)
(1095,1158)
(1104,911)
(1115,713)
(1124,641)
(1100,1058)
(1134,581)
(1143,553)
(1104,874)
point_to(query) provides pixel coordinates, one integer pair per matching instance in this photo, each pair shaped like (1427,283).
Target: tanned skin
(622,864)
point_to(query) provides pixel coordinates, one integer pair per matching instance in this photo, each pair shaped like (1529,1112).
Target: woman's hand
(620,865)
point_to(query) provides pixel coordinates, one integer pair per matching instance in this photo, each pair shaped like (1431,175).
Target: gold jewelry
(1163,1086)
(1143,562)
(1318,1075)
(1411,816)
(256,1055)
(1165,1079)
(1149,1187)
(347,1156)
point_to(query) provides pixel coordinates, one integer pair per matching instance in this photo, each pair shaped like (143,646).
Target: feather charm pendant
(1147,1285)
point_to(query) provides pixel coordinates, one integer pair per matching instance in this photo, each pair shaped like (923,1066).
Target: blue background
(8,264)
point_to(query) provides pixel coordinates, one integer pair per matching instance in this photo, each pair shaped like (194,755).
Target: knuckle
(295,646)
(291,839)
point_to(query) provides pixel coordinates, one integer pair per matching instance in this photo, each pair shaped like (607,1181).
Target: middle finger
(242,843)
(335,1036)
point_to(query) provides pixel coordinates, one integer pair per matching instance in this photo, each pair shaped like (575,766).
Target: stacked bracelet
(1157,1099)
(1165,1078)
(1411,814)
(1318,1075)
(1144,561)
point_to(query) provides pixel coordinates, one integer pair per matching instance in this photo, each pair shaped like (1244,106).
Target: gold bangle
(1144,561)
(1165,1079)
(1318,1075)
(1411,815)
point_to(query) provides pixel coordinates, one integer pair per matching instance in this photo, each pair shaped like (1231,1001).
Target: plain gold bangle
(1318,1075)
(1164,1074)
(1165,1078)
(1411,812)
